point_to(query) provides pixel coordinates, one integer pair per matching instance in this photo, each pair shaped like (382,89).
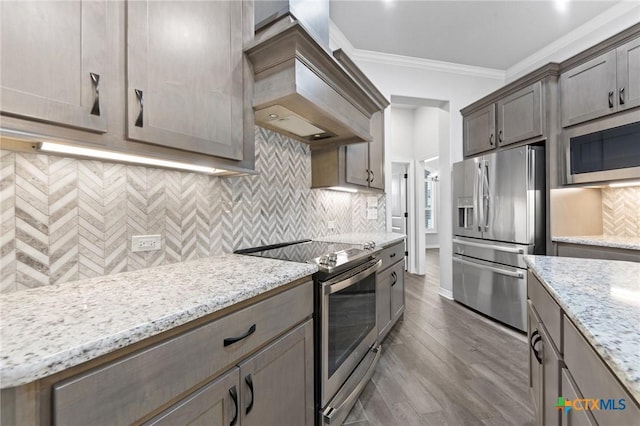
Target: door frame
(410,264)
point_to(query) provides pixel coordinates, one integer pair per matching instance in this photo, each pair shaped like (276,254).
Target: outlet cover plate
(145,243)
(331,224)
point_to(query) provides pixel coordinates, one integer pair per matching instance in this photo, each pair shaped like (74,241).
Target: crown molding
(615,19)
(338,39)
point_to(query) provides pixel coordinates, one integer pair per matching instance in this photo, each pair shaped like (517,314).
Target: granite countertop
(630,243)
(380,238)
(49,329)
(602,299)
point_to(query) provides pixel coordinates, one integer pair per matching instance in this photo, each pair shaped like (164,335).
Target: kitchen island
(587,316)
(152,335)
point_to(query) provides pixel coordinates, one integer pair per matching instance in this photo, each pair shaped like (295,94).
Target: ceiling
(490,34)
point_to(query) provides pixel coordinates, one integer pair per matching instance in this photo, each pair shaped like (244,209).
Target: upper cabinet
(184,75)
(603,85)
(365,161)
(53,58)
(510,115)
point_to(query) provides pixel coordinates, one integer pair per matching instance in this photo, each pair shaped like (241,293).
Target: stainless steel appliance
(345,318)
(499,216)
(604,154)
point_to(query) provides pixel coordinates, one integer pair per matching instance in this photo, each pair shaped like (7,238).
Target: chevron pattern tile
(7,222)
(32,220)
(91,219)
(64,219)
(621,211)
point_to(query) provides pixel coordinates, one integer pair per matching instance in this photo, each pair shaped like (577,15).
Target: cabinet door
(535,364)
(383,302)
(520,115)
(357,164)
(277,382)
(551,366)
(588,91)
(215,404)
(185,75)
(53,58)
(479,130)
(629,75)
(397,290)
(570,392)
(376,151)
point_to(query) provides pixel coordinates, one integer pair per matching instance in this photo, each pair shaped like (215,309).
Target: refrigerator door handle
(489,246)
(478,198)
(495,269)
(486,198)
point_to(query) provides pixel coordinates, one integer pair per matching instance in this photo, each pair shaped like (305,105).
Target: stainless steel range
(345,318)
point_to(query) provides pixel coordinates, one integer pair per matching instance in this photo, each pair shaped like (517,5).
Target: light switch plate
(372,214)
(331,224)
(372,202)
(145,243)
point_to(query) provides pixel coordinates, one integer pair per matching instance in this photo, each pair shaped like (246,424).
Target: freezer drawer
(492,251)
(495,290)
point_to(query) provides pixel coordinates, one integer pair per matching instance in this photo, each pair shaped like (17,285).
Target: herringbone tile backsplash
(64,219)
(621,211)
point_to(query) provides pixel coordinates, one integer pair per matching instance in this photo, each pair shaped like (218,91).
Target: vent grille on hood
(301,90)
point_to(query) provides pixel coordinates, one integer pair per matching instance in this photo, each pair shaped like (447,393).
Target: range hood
(300,89)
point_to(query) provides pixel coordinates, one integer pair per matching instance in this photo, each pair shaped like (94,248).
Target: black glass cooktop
(305,251)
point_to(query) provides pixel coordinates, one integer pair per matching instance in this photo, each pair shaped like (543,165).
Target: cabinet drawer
(548,310)
(594,380)
(391,255)
(570,392)
(123,391)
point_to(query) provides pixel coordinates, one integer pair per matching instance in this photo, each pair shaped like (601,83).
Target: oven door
(348,324)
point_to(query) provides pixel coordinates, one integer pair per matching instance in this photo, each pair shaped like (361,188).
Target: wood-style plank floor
(446,365)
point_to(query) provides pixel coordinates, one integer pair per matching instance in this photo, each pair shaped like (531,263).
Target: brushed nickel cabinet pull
(140,96)
(95,81)
(611,99)
(622,96)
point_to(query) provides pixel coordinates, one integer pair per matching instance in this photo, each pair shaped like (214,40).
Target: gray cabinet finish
(184,75)
(390,289)
(548,310)
(629,75)
(376,151)
(588,90)
(282,379)
(479,130)
(570,392)
(535,368)
(49,52)
(130,388)
(520,115)
(212,405)
(551,365)
(357,164)
(596,252)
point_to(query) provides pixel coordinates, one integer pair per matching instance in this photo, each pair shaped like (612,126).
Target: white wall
(400,145)
(459,90)
(426,131)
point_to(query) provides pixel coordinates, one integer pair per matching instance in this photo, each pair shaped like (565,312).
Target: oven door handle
(337,284)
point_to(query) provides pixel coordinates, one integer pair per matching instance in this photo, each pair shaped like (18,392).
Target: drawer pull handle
(231,340)
(234,397)
(622,96)
(535,338)
(611,99)
(95,81)
(392,255)
(140,97)
(395,278)
(249,383)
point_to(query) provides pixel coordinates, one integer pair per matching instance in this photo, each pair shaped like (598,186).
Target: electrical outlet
(331,224)
(145,243)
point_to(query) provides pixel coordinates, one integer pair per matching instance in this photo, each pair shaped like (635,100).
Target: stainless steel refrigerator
(499,216)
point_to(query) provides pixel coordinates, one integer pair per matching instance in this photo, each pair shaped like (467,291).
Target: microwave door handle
(495,269)
(337,284)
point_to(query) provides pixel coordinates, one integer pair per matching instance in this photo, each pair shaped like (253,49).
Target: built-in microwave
(607,154)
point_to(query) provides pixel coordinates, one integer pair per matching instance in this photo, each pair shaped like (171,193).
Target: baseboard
(445,293)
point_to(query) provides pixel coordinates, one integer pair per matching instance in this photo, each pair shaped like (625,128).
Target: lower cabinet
(272,387)
(390,289)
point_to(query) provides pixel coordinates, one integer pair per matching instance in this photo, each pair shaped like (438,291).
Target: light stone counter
(48,329)
(629,243)
(381,239)
(602,298)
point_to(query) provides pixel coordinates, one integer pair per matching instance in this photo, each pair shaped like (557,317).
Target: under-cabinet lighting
(342,188)
(624,184)
(126,158)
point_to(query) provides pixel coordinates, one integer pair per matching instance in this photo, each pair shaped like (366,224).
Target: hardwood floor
(446,365)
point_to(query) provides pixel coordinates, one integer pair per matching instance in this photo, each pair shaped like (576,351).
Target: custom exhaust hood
(300,89)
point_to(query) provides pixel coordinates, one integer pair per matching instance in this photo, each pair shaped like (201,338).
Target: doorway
(398,205)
